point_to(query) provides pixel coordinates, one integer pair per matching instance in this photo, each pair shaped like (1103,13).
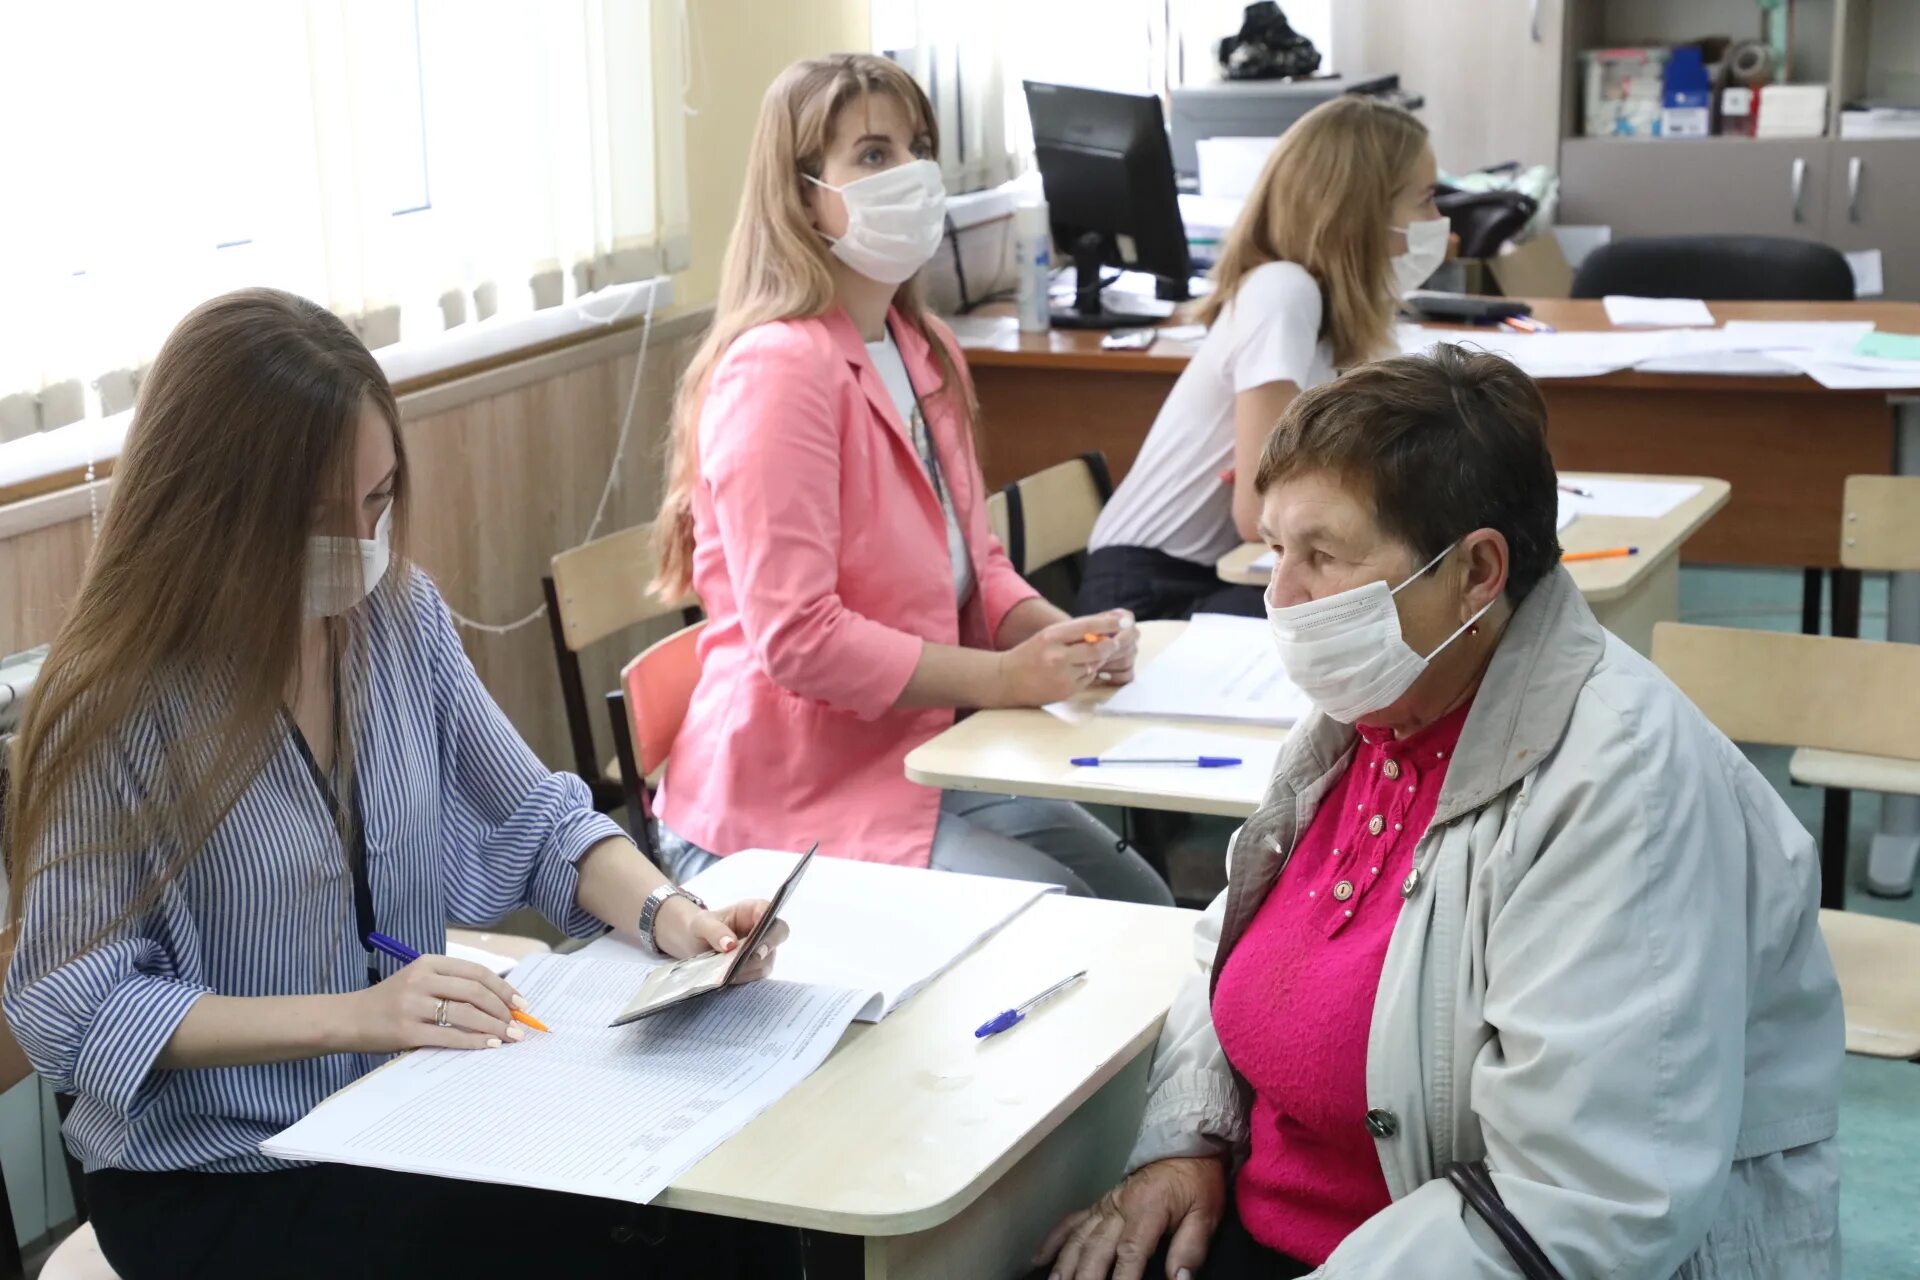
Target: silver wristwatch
(650,909)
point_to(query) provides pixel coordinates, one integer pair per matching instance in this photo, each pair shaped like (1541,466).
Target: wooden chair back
(1835,694)
(997,518)
(1786,690)
(1880,529)
(593,591)
(1050,514)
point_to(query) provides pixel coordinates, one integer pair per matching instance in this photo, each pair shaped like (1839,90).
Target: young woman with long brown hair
(256,740)
(1339,225)
(825,502)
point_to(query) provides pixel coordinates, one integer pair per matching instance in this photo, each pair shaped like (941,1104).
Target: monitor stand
(1087,311)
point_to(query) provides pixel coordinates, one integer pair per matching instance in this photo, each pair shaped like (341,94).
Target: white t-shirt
(1173,499)
(893,372)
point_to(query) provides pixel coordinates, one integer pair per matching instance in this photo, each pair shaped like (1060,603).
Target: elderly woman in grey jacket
(1509,898)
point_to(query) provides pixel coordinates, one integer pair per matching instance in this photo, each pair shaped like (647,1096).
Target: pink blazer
(821,560)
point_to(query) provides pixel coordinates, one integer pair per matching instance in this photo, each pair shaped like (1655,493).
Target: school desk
(1786,444)
(1628,594)
(922,1153)
(1025,751)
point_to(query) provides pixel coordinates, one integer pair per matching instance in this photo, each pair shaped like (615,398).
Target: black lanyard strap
(355,836)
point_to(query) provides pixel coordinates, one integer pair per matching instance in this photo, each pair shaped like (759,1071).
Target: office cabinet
(1696,186)
(1444,50)
(1873,202)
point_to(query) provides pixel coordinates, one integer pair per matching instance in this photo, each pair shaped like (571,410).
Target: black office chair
(1728,268)
(1736,269)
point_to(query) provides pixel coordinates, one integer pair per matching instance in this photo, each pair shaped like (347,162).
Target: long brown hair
(243,434)
(1323,202)
(776,263)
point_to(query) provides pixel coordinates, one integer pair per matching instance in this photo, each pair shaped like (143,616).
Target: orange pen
(1094,637)
(530,1020)
(1610,553)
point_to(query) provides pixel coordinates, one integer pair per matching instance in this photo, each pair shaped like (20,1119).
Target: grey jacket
(1607,979)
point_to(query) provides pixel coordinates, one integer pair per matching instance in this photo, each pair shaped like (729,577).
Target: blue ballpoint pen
(1017,1014)
(1195,762)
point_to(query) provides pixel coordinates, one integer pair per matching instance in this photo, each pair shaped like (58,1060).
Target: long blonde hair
(245,428)
(776,264)
(1323,202)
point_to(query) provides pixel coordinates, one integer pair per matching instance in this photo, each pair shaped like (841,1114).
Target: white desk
(1628,595)
(1024,751)
(953,1157)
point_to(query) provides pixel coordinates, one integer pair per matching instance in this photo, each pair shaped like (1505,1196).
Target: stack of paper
(1220,668)
(1245,781)
(595,1110)
(1850,371)
(1792,111)
(846,920)
(1628,312)
(1742,347)
(1880,122)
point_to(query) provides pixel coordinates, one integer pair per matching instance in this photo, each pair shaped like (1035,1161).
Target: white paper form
(595,1110)
(1221,668)
(1627,311)
(1244,781)
(845,920)
(1638,499)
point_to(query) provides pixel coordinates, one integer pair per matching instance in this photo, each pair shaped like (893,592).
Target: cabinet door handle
(1854,166)
(1533,20)
(1799,184)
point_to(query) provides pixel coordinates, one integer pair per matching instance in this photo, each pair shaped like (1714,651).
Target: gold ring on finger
(440,1014)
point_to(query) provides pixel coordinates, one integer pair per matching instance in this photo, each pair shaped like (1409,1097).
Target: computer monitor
(1108,176)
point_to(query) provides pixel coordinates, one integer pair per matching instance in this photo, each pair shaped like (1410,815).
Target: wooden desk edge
(1714,494)
(1065,790)
(935,1213)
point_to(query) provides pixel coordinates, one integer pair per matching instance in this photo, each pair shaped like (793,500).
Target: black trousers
(1155,586)
(339,1220)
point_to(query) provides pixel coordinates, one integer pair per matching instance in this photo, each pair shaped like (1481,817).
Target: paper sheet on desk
(1855,373)
(618,1112)
(1220,668)
(1626,310)
(1588,355)
(492,961)
(1637,499)
(847,920)
(1246,780)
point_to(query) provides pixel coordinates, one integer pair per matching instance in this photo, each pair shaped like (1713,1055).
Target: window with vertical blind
(972,59)
(415,165)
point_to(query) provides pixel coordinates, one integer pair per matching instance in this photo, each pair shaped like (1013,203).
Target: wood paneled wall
(507,468)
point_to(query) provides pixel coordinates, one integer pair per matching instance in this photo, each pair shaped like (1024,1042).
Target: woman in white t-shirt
(1341,223)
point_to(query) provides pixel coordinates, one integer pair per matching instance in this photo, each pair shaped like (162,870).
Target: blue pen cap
(995,1026)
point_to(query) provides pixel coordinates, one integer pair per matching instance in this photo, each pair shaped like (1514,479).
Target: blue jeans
(1014,837)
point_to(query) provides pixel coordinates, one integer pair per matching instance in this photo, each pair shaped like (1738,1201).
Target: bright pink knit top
(1295,1002)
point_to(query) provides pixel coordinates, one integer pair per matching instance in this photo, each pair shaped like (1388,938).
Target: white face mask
(1426,250)
(895,219)
(1345,651)
(341,572)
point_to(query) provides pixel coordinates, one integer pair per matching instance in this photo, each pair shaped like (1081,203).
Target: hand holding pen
(433,1002)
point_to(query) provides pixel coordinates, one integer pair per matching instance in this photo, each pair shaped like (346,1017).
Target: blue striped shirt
(462,823)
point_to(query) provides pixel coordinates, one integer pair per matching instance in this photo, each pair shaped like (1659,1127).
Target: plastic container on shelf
(1625,91)
(1686,100)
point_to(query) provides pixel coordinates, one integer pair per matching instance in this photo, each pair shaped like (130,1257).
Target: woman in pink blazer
(825,503)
